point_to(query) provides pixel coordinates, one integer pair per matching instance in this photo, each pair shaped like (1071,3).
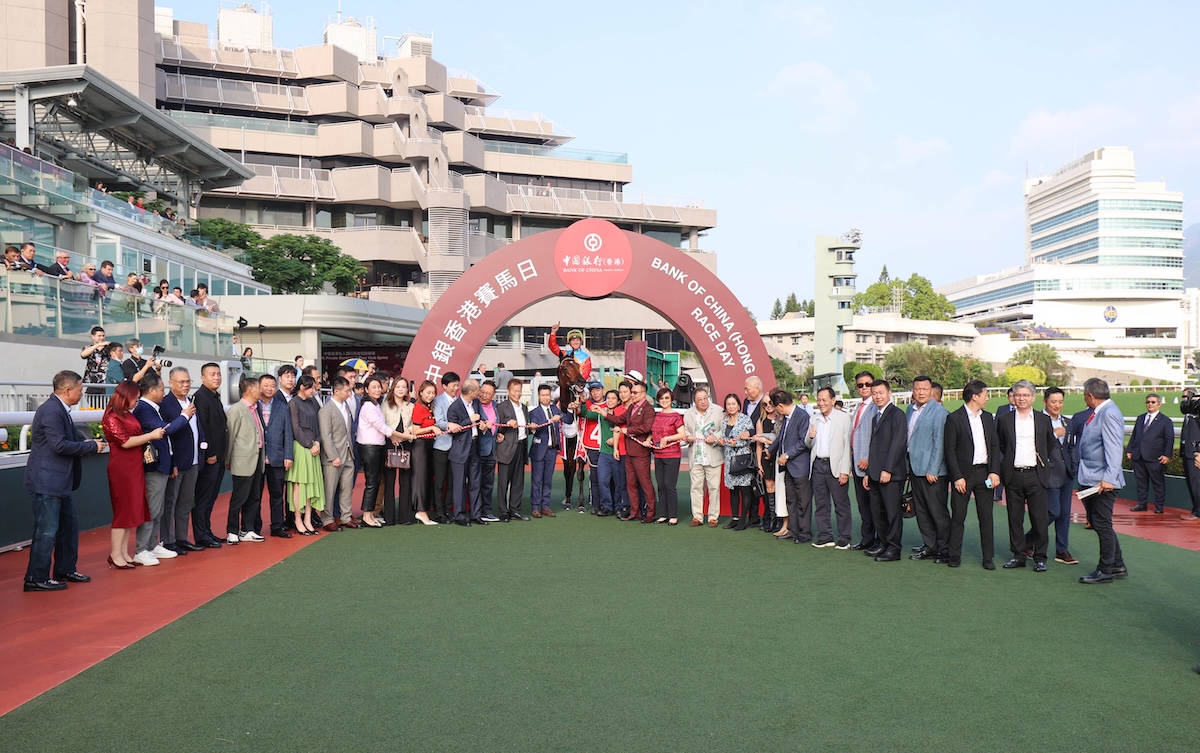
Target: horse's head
(570,382)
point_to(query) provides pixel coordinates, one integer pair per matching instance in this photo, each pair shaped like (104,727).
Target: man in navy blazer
(886,469)
(543,453)
(793,454)
(149,548)
(277,441)
(52,472)
(186,457)
(1150,449)
(461,414)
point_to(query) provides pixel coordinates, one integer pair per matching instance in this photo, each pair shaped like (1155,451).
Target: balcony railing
(579,194)
(535,150)
(207,120)
(65,310)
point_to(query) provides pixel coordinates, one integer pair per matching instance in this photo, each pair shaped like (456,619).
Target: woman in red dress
(126,474)
(421,460)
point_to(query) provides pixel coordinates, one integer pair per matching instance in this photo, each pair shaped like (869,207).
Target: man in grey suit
(443,495)
(828,438)
(335,424)
(244,460)
(927,472)
(793,455)
(1100,465)
(512,451)
(860,446)
(502,376)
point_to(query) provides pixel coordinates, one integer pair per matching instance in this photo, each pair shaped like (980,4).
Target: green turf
(586,634)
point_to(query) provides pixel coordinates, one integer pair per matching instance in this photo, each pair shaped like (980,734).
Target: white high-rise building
(1103,272)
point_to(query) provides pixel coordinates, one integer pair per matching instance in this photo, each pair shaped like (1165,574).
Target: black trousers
(208,485)
(866,521)
(245,504)
(443,493)
(825,488)
(398,508)
(666,473)
(465,477)
(1099,514)
(510,480)
(570,467)
(798,495)
(1024,490)
(371,457)
(1150,474)
(487,479)
(931,512)
(976,478)
(276,480)
(885,509)
(1192,477)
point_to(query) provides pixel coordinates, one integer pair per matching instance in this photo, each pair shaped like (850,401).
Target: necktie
(1085,423)
(1149,418)
(875,422)
(862,407)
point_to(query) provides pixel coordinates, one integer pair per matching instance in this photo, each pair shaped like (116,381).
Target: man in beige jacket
(244,459)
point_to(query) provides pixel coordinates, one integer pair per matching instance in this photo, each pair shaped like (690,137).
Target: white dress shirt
(976,422)
(824,432)
(520,419)
(1025,454)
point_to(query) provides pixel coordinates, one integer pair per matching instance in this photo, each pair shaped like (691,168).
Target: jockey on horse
(574,367)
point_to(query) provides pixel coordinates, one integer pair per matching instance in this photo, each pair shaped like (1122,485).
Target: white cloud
(909,150)
(819,91)
(1069,131)
(810,19)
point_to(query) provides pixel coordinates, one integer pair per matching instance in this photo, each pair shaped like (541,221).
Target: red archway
(592,259)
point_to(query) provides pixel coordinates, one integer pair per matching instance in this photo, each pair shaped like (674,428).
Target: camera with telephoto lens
(1189,405)
(163,362)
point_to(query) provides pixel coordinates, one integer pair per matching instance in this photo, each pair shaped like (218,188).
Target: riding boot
(769,519)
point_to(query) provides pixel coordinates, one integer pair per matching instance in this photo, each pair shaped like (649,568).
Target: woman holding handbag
(397,414)
(768,423)
(739,461)
(130,450)
(372,436)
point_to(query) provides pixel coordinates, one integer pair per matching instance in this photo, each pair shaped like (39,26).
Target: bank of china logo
(1110,314)
(592,242)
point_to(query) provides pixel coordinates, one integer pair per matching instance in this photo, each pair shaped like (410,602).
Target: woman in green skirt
(304,477)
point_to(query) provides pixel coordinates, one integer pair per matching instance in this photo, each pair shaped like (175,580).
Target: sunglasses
(863,385)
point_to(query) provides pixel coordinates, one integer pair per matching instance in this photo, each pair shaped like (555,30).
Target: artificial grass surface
(585,634)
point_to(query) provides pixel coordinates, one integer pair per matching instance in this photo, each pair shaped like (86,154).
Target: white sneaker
(250,536)
(163,553)
(231,538)
(145,558)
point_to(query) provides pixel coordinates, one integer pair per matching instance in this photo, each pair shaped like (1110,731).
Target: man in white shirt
(512,452)
(1028,446)
(973,467)
(705,457)
(829,439)
(185,459)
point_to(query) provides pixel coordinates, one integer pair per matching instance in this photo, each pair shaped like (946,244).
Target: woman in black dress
(423,430)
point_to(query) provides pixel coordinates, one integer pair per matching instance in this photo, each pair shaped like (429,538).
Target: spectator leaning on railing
(26,260)
(105,275)
(11,254)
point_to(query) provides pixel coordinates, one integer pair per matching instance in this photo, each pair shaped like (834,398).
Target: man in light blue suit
(1100,446)
(443,495)
(860,444)
(927,472)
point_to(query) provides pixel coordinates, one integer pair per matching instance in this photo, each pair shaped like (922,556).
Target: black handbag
(906,501)
(740,465)
(398,457)
(758,486)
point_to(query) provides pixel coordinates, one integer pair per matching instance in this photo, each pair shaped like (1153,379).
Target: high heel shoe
(661,520)
(123,566)
(673,522)
(426,522)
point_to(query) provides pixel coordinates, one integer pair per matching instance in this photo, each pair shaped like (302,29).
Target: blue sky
(915,123)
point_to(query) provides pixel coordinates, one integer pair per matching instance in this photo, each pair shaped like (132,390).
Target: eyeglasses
(863,385)
(1151,402)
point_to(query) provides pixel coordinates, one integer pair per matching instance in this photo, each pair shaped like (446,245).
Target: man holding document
(1100,447)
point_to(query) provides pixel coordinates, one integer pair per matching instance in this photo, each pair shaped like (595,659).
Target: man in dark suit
(636,424)
(487,450)
(277,440)
(27,261)
(461,417)
(543,452)
(794,455)
(211,414)
(186,461)
(860,449)
(752,402)
(886,469)
(52,472)
(512,450)
(1027,448)
(59,267)
(998,490)
(1150,449)
(973,467)
(1189,443)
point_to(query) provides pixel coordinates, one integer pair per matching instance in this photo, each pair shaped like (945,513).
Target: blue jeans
(1058,505)
(55,533)
(605,478)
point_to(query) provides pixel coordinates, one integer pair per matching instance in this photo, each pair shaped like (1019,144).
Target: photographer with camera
(95,371)
(1189,445)
(134,367)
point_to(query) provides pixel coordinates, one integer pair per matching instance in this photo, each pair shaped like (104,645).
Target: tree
(1014,374)
(970,369)
(1046,358)
(883,275)
(808,307)
(791,305)
(785,378)
(229,234)
(777,310)
(907,361)
(918,298)
(303,264)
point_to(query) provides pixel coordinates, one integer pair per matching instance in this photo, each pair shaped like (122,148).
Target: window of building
(796,340)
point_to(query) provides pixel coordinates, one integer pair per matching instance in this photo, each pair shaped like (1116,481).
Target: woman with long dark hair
(397,414)
(371,437)
(126,471)
(736,440)
(423,429)
(304,478)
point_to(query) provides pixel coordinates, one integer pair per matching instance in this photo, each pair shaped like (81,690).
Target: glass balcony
(534,150)
(66,310)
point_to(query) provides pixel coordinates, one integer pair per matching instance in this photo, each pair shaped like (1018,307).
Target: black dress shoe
(952,563)
(874,551)
(890,555)
(989,565)
(919,549)
(942,561)
(44,585)
(462,522)
(479,521)
(281,533)
(1096,577)
(1158,509)
(188,546)
(177,549)
(1039,567)
(1136,508)
(211,544)
(1120,571)
(519,516)
(922,554)
(1014,563)
(75,577)
(858,546)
